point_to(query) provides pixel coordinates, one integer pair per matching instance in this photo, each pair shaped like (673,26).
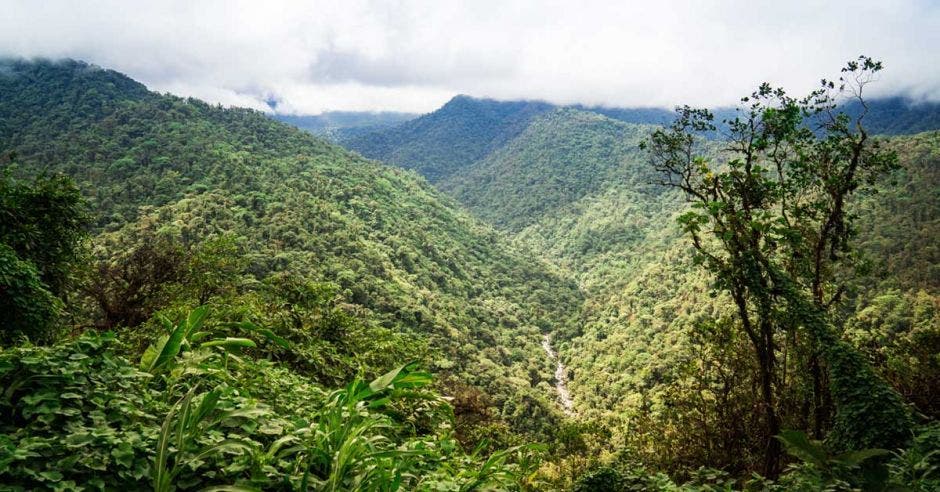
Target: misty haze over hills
(262,246)
(895,115)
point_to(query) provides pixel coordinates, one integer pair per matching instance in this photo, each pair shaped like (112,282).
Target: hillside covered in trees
(658,359)
(356,267)
(199,297)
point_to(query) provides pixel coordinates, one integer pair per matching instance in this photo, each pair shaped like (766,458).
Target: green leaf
(384,381)
(51,475)
(267,333)
(196,318)
(853,458)
(123,454)
(79,439)
(230,343)
(169,350)
(150,355)
(800,446)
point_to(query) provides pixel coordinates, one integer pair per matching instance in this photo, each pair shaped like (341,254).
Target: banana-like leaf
(209,401)
(198,336)
(169,350)
(229,343)
(267,333)
(853,458)
(384,381)
(402,377)
(196,318)
(800,446)
(153,350)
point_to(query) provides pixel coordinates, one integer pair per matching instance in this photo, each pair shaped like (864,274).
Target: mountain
(401,255)
(459,133)
(256,305)
(898,115)
(467,129)
(562,156)
(341,125)
(573,187)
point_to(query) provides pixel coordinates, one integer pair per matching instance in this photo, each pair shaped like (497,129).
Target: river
(561,377)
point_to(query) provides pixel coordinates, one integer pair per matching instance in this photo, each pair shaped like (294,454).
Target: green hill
(574,188)
(561,157)
(401,255)
(440,143)
(341,125)
(237,268)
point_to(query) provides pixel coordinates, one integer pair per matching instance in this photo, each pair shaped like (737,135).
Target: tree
(770,220)
(130,287)
(41,242)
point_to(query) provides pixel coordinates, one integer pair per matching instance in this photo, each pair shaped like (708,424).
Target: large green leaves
(161,354)
(164,351)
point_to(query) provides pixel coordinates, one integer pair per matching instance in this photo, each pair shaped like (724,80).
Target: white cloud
(414,55)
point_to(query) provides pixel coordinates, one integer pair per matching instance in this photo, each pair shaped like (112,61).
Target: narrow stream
(561,377)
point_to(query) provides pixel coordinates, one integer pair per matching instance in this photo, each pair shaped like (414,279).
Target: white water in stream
(561,377)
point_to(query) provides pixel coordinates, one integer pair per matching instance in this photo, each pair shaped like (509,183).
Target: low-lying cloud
(310,57)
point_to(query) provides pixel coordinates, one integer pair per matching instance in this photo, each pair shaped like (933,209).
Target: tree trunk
(818,389)
(772,450)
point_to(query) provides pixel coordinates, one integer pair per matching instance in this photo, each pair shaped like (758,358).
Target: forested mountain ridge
(188,283)
(561,157)
(467,129)
(645,303)
(343,125)
(401,256)
(575,188)
(457,134)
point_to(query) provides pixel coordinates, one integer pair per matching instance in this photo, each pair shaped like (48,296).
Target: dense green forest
(343,125)
(657,359)
(198,297)
(467,129)
(440,143)
(356,266)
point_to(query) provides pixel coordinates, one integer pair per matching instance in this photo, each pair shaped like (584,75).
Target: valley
(496,295)
(561,376)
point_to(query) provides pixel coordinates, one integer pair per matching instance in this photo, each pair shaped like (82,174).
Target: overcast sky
(313,56)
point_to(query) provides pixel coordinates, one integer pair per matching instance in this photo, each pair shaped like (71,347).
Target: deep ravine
(561,377)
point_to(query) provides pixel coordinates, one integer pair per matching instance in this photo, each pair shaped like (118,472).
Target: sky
(306,57)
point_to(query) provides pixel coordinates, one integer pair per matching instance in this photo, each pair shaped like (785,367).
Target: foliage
(202,205)
(571,154)
(773,225)
(43,221)
(77,415)
(831,468)
(341,124)
(41,245)
(463,133)
(320,268)
(456,135)
(31,311)
(638,361)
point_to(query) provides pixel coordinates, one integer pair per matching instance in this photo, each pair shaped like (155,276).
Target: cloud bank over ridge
(359,55)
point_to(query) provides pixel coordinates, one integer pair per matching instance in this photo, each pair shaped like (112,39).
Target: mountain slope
(341,125)
(573,188)
(465,130)
(401,254)
(459,133)
(561,157)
